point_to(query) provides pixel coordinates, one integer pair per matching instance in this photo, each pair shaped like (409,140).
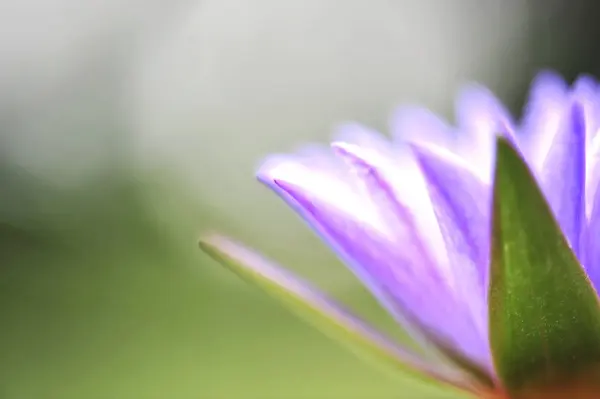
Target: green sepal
(544,314)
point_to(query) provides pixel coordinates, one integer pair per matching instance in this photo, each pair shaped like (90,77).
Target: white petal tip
(288,168)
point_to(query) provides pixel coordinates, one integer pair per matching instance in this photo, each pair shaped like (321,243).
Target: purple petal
(592,174)
(410,123)
(417,124)
(587,93)
(547,100)
(390,259)
(563,175)
(461,201)
(591,257)
(400,276)
(480,117)
(388,171)
(480,114)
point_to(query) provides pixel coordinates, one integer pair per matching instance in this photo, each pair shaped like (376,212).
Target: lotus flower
(480,240)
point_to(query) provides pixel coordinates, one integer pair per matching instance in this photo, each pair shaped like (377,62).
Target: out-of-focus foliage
(100,299)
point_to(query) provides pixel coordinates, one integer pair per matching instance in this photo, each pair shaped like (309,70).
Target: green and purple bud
(482,240)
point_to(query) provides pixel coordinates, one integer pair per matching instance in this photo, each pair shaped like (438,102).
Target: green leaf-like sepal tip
(544,313)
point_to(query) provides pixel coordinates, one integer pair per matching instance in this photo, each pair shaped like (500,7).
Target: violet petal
(481,117)
(461,201)
(399,273)
(591,256)
(389,259)
(542,118)
(563,175)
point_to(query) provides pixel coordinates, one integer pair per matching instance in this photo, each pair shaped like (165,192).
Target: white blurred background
(202,90)
(235,80)
(209,87)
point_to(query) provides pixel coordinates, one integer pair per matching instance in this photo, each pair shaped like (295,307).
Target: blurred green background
(102,300)
(129,128)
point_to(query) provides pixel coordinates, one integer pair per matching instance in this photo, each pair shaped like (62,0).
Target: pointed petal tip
(586,83)
(411,122)
(548,73)
(206,238)
(351,132)
(475,93)
(246,263)
(412,112)
(214,244)
(268,166)
(480,112)
(281,167)
(548,78)
(547,85)
(308,161)
(342,146)
(355,138)
(476,100)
